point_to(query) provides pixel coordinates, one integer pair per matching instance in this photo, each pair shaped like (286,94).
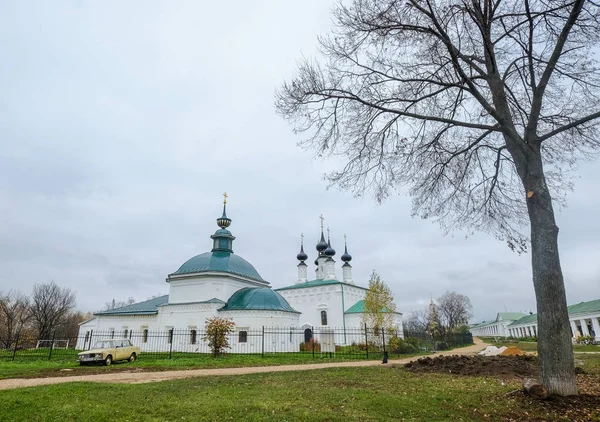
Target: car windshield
(104,344)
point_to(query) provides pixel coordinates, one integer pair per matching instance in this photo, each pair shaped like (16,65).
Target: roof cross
(225,198)
(322,218)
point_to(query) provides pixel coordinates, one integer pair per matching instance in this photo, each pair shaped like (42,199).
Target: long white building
(584,318)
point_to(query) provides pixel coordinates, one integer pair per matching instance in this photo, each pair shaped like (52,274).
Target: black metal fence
(359,343)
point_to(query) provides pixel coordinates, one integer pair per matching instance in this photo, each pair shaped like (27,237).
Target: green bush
(585,340)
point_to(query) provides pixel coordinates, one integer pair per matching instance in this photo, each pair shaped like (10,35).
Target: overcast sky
(122,123)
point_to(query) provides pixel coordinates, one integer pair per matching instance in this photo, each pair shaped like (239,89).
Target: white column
(596,327)
(584,329)
(573,328)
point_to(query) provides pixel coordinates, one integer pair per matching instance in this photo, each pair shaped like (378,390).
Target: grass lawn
(43,368)
(340,394)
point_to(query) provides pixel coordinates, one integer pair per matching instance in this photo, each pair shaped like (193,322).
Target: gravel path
(144,377)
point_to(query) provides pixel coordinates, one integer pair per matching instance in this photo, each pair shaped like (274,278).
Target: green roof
(257,299)
(316,283)
(579,308)
(147,307)
(483,324)
(510,316)
(359,308)
(527,319)
(218,261)
(583,307)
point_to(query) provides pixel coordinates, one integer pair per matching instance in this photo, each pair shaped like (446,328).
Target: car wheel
(108,360)
(132,358)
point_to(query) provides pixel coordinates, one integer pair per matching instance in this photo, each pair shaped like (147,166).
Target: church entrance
(308,334)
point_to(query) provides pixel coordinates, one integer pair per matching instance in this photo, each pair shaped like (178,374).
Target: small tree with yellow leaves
(379,308)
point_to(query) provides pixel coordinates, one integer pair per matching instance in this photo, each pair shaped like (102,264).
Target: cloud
(121,124)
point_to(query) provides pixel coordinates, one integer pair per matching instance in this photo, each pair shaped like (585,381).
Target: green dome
(224,262)
(257,299)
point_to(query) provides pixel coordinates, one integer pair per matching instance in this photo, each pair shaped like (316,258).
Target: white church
(223,284)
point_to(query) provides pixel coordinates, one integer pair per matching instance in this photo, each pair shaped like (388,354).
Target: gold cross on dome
(328,233)
(225,198)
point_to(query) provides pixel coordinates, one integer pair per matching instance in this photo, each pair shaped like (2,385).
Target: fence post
(385,353)
(312,340)
(171,334)
(51,345)
(90,343)
(366,340)
(262,353)
(16,344)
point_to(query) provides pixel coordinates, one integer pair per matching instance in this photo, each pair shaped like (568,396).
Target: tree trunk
(533,388)
(557,369)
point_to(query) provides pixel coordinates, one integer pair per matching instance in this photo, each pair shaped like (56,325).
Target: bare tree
(51,306)
(481,108)
(118,304)
(417,321)
(14,314)
(454,310)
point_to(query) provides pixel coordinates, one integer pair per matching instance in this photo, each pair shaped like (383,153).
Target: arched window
(243,337)
(125,332)
(193,337)
(323,317)
(308,335)
(145,336)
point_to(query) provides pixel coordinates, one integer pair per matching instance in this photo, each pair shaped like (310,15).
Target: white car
(109,351)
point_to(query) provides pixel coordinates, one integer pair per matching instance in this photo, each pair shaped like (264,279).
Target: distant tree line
(448,314)
(48,309)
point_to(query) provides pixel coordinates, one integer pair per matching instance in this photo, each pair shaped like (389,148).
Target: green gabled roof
(147,307)
(510,316)
(483,324)
(316,283)
(583,307)
(359,308)
(257,299)
(219,261)
(527,319)
(213,300)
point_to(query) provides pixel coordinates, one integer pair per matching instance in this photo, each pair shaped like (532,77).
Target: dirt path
(144,377)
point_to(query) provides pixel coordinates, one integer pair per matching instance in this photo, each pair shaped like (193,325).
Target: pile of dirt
(518,366)
(512,351)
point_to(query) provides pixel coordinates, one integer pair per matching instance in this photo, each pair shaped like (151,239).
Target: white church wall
(203,288)
(311,301)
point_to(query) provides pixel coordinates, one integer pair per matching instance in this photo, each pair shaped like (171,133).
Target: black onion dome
(329,251)
(346,257)
(322,245)
(302,255)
